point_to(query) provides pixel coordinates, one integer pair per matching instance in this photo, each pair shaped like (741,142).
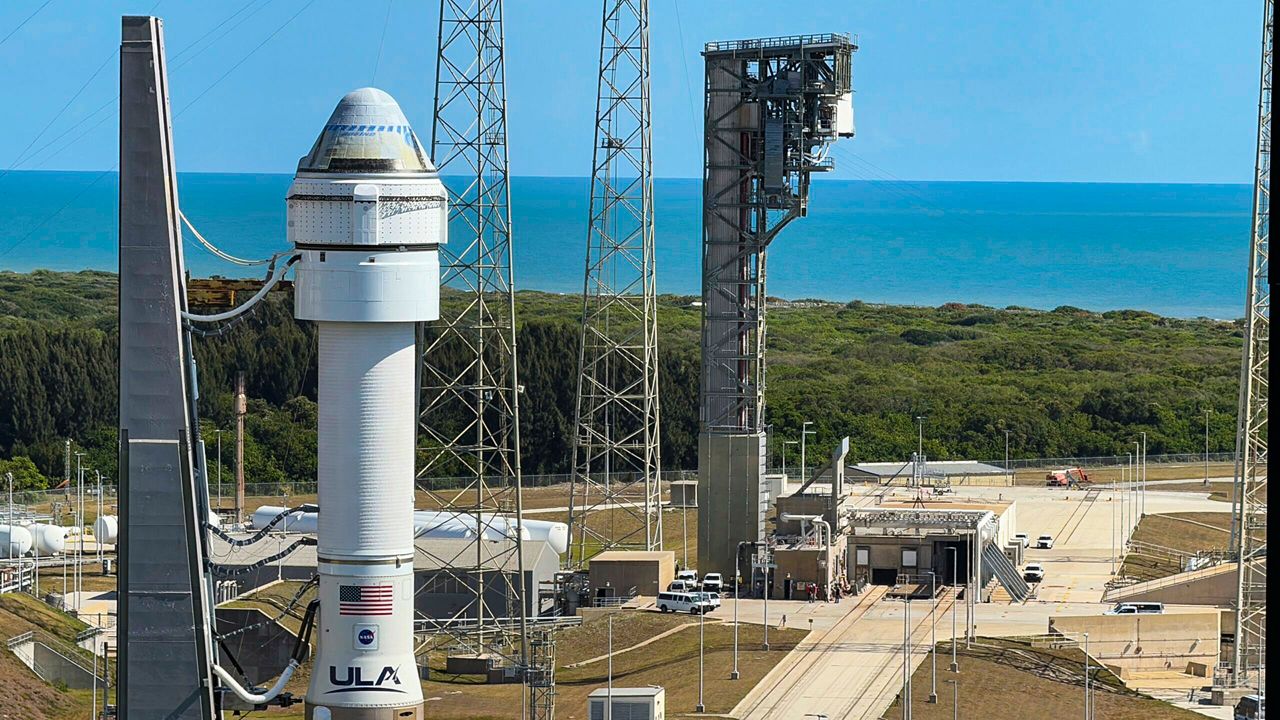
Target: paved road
(850,668)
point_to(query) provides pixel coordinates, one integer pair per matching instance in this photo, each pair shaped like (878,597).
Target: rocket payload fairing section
(367,212)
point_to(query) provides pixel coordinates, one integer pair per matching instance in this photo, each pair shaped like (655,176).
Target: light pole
(765,557)
(702,624)
(1206,445)
(218,432)
(1137,477)
(970,588)
(1113,532)
(906,660)
(955,667)
(1087,714)
(805,432)
(736,595)
(608,713)
(1007,469)
(933,637)
(785,443)
(1144,473)
(955,699)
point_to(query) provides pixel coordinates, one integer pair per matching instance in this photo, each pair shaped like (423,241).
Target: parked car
(713,582)
(1033,572)
(1022,538)
(1251,707)
(690,602)
(1136,608)
(1044,542)
(683,586)
(713,598)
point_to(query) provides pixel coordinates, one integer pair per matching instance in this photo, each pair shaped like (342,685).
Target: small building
(647,703)
(684,494)
(445,585)
(945,539)
(624,573)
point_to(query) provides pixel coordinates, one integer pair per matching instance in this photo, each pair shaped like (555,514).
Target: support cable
(224,571)
(288,608)
(262,533)
(224,255)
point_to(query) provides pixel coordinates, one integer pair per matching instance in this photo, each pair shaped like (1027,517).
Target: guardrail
(779,42)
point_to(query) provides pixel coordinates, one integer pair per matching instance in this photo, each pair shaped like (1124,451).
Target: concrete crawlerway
(850,667)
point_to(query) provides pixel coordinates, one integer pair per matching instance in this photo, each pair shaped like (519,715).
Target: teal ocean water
(1172,249)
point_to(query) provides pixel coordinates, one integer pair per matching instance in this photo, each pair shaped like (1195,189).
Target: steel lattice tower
(469,418)
(541,675)
(1250,508)
(616,498)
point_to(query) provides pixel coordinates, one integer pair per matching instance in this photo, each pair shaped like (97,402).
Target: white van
(1136,608)
(690,602)
(682,586)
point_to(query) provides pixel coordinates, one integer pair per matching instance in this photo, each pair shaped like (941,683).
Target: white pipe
(266,287)
(815,519)
(251,698)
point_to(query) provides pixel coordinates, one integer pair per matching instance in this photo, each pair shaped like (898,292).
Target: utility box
(646,703)
(684,494)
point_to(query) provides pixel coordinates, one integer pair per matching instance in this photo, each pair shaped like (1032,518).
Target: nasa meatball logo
(366,637)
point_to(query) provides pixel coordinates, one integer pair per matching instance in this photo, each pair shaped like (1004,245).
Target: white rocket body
(367,212)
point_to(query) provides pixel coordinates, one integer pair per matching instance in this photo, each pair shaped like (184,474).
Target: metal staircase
(1006,573)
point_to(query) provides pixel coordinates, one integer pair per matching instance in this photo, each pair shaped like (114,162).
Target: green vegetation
(1065,382)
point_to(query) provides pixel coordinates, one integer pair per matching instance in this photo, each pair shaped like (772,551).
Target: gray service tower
(773,108)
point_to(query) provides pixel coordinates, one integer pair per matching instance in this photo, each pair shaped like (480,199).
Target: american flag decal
(364,600)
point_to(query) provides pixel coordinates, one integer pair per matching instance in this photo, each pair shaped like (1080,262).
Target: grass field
(23,695)
(1188,532)
(1004,680)
(671,661)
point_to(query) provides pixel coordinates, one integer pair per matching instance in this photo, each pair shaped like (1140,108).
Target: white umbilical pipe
(253,698)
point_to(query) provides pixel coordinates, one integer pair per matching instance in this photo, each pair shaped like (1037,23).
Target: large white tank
(47,539)
(367,213)
(446,523)
(299,522)
(106,529)
(15,541)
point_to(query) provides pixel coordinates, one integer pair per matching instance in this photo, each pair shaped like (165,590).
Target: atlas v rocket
(367,213)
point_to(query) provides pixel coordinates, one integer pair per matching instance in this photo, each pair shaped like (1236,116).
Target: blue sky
(1134,91)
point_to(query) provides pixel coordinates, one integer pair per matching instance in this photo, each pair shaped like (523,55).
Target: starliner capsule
(367,213)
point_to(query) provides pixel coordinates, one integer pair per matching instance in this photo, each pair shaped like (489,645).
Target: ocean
(1177,250)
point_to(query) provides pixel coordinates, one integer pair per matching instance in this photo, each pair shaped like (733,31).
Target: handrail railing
(780,41)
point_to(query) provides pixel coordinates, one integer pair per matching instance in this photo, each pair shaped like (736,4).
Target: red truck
(1066,477)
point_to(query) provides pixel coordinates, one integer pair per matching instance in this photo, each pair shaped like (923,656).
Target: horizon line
(817,178)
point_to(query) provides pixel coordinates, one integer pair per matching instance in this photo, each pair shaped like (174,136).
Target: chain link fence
(31,504)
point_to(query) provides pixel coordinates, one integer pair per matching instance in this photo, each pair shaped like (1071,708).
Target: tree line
(1065,382)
